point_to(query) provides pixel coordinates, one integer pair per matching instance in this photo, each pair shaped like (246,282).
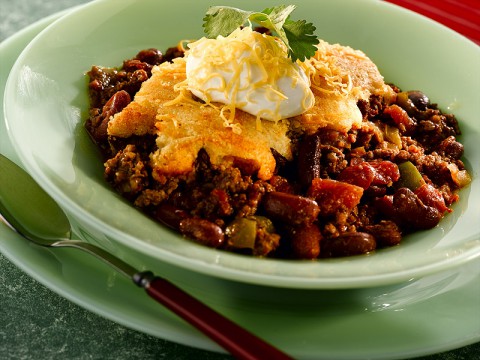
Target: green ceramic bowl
(46,104)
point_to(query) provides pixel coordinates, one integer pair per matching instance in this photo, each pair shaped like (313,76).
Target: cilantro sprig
(298,35)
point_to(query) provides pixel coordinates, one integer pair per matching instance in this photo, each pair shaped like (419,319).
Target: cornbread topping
(165,106)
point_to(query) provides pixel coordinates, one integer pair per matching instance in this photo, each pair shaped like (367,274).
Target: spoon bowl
(22,198)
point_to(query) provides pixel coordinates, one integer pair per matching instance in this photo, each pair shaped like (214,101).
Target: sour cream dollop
(250,71)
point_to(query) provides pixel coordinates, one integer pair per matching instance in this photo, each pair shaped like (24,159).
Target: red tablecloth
(463,16)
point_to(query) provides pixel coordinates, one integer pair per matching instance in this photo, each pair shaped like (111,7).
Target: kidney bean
(292,209)
(414,98)
(170,215)
(203,231)
(98,125)
(136,78)
(384,205)
(150,56)
(348,244)
(411,212)
(386,233)
(309,155)
(375,191)
(172,53)
(133,65)
(144,60)
(117,103)
(451,148)
(305,241)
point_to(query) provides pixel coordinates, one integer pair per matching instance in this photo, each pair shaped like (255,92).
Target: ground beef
(127,172)
(343,193)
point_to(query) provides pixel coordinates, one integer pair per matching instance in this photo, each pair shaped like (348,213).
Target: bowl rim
(470,252)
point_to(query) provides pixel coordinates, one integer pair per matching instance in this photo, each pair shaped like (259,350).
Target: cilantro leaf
(223,20)
(276,17)
(273,19)
(279,14)
(298,36)
(301,39)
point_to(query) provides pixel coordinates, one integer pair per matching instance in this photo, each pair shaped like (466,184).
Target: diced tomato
(361,174)
(376,173)
(430,196)
(386,172)
(333,195)
(400,117)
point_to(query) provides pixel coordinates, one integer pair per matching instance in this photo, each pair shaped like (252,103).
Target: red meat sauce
(343,194)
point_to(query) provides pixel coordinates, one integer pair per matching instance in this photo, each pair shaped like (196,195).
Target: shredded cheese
(248,71)
(325,74)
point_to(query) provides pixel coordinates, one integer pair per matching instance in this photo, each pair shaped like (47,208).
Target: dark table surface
(36,323)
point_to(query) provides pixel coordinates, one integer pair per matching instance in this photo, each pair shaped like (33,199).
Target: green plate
(434,314)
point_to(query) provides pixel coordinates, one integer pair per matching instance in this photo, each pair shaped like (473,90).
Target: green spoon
(30,211)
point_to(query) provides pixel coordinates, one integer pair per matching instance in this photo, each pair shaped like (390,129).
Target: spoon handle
(238,341)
